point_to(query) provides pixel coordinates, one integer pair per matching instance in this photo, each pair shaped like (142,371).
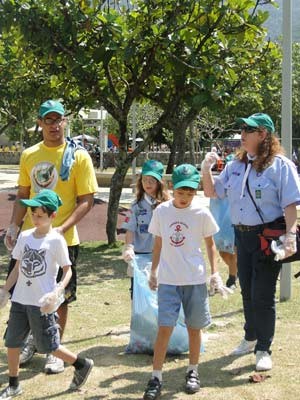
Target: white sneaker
(263,361)
(245,347)
(28,350)
(54,365)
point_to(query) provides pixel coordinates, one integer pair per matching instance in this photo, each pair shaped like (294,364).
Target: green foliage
(179,56)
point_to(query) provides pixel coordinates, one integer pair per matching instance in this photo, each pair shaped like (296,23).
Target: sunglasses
(51,121)
(248,129)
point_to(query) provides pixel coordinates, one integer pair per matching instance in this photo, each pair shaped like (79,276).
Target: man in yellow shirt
(55,163)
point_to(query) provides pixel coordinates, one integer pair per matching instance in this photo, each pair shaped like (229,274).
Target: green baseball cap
(153,168)
(46,198)
(51,106)
(257,120)
(185,175)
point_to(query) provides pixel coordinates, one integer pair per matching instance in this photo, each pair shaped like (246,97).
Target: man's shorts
(44,328)
(71,288)
(194,299)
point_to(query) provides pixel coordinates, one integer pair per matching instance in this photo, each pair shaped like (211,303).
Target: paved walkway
(8,181)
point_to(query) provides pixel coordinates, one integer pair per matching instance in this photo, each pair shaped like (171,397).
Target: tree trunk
(117,181)
(192,143)
(171,160)
(114,199)
(180,135)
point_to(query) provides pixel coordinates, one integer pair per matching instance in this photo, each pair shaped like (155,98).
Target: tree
(180,56)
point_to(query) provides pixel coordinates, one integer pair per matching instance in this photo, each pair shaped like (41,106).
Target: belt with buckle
(249,228)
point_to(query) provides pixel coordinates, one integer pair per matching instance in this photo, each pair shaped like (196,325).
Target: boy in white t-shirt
(178,271)
(39,253)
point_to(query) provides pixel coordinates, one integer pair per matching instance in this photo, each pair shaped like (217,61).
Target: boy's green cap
(185,175)
(257,120)
(46,198)
(153,168)
(51,106)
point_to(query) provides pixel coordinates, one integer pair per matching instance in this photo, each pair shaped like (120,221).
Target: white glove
(209,160)
(52,300)
(285,246)
(217,286)
(4,297)
(128,252)
(152,282)
(11,236)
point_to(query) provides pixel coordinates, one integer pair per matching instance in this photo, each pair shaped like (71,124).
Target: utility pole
(286,119)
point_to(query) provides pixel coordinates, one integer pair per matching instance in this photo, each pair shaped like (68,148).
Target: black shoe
(231,282)
(81,375)
(192,382)
(153,389)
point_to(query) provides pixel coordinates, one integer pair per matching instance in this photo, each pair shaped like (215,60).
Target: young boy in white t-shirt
(178,271)
(39,253)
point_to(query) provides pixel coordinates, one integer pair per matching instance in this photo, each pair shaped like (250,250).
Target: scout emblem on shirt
(177,239)
(44,176)
(33,262)
(128,216)
(258,194)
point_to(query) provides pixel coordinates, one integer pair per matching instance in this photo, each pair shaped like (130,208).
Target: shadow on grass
(99,262)
(213,373)
(28,371)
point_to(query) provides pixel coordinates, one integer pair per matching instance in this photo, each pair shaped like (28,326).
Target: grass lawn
(98,327)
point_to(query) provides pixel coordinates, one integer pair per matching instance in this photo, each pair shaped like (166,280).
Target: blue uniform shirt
(273,189)
(137,221)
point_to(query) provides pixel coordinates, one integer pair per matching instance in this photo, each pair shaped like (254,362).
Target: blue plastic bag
(143,327)
(224,239)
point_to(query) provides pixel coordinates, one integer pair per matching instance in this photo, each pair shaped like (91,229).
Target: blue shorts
(44,328)
(194,299)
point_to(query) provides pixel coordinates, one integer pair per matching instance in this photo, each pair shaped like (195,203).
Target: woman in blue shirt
(261,185)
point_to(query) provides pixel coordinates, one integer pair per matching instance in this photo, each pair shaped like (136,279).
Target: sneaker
(263,361)
(153,389)
(28,350)
(54,365)
(10,391)
(192,382)
(231,282)
(81,375)
(245,347)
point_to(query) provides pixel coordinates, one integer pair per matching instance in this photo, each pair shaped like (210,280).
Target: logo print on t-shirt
(44,176)
(177,239)
(33,262)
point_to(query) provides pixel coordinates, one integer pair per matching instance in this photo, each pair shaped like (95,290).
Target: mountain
(274,22)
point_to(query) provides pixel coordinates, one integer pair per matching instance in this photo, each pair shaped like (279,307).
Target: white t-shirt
(40,259)
(182,229)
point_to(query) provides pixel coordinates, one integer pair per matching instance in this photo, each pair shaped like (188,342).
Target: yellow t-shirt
(39,169)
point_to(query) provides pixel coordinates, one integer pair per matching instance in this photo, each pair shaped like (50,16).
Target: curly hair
(162,193)
(266,152)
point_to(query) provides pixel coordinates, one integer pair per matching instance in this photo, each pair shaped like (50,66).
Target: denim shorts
(44,328)
(194,299)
